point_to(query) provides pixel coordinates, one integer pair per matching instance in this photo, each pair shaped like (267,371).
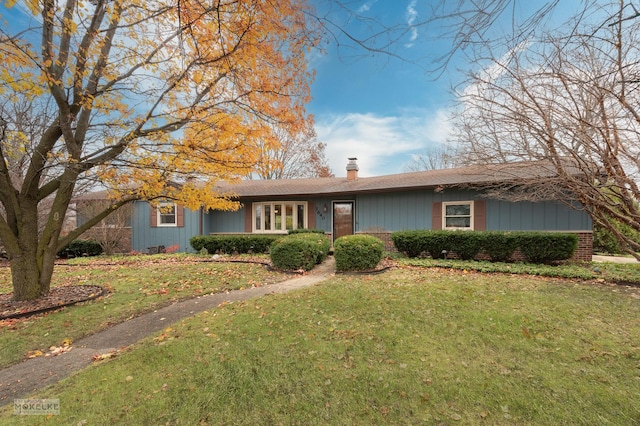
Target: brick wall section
(582,254)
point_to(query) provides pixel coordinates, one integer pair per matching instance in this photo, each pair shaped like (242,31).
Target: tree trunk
(29,279)
(32,265)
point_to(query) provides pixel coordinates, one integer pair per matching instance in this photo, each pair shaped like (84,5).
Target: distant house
(437,199)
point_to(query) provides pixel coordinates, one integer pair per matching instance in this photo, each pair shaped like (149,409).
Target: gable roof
(431,179)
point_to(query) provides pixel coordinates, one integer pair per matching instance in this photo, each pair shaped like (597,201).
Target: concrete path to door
(30,376)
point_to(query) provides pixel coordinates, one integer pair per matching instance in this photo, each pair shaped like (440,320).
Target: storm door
(342,218)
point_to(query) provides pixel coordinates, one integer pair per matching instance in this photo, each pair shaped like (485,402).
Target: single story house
(435,199)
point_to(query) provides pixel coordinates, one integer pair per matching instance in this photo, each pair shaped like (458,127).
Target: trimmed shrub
(357,252)
(543,247)
(536,247)
(299,251)
(465,244)
(241,243)
(436,243)
(409,243)
(79,248)
(499,246)
(198,242)
(306,231)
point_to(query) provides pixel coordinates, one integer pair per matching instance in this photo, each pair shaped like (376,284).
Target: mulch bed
(57,298)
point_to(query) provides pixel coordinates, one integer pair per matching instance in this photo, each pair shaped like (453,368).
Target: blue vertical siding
(144,236)
(225,221)
(413,210)
(323,220)
(529,216)
(381,211)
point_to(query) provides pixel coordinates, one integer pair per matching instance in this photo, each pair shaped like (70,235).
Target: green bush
(499,246)
(437,243)
(79,248)
(466,245)
(547,247)
(537,247)
(240,243)
(604,241)
(198,242)
(410,243)
(357,252)
(306,231)
(299,251)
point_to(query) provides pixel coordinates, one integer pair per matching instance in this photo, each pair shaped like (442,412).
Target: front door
(342,218)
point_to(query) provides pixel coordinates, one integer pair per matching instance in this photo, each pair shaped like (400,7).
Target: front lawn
(410,346)
(136,285)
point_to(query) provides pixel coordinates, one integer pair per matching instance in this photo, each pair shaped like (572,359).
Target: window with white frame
(167,214)
(280,216)
(457,215)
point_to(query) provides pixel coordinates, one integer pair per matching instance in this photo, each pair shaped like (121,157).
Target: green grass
(410,346)
(136,285)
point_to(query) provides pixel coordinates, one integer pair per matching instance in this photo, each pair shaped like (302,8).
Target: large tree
(570,101)
(299,155)
(152,99)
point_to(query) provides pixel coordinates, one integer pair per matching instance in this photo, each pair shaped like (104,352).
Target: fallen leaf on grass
(34,354)
(102,357)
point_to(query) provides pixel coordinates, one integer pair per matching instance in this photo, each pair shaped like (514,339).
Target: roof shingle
(431,179)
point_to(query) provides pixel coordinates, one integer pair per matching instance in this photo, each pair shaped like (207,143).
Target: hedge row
(357,252)
(299,251)
(79,248)
(229,244)
(536,247)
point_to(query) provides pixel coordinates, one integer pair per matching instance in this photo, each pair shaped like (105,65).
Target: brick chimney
(352,169)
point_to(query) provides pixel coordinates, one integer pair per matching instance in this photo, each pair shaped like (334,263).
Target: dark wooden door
(342,219)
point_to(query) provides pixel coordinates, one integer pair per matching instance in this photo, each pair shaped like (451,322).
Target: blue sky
(381,109)
(378,108)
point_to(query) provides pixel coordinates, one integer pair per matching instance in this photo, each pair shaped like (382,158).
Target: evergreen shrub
(79,248)
(537,247)
(547,247)
(306,231)
(499,246)
(229,244)
(299,251)
(357,252)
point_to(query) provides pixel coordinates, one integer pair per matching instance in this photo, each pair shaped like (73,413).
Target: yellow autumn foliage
(164,98)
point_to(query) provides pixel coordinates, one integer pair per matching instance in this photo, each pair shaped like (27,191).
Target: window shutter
(436,215)
(248,217)
(179,216)
(311,215)
(479,215)
(153,216)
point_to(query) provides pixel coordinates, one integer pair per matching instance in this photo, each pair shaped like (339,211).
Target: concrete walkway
(25,378)
(614,259)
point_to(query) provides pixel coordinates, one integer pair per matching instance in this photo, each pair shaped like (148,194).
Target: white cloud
(412,18)
(382,144)
(366,6)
